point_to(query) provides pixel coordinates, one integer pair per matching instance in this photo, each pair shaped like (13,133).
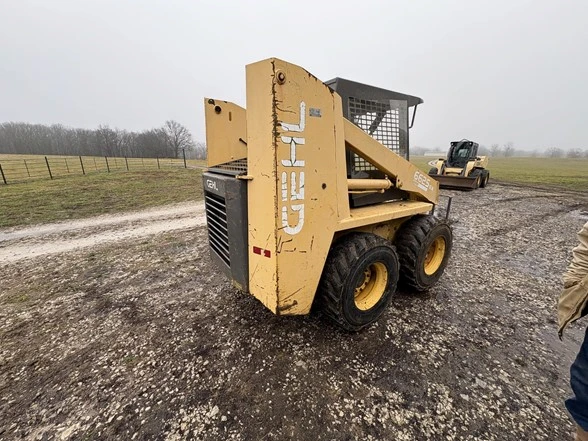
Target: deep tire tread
(410,243)
(341,259)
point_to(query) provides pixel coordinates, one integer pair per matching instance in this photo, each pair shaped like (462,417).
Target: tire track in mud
(540,188)
(535,218)
(26,243)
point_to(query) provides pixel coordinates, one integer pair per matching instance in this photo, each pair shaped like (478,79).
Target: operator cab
(385,116)
(461,152)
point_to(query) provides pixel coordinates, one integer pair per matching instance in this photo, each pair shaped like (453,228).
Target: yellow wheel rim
(371,287)
(435,255)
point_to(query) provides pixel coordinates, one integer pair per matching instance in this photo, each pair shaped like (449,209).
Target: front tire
(424,246)
(478,174)
(358,281)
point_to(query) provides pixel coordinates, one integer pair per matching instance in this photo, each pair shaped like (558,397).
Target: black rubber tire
(413,240)
(485,178)
(433,171)
(345,265)
(477,173)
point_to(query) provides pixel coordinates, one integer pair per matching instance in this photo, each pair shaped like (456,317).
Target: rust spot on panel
(281,244)
(284,308)
(293,294)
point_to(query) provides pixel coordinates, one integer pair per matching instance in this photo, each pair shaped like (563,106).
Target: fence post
(158,167)
(107,166)
(27,167)
(66,166)
(48,168)
(184,153)
(127,162)
(3,177)
(82,164)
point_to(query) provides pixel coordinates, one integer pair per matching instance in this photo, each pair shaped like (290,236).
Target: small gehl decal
(211,184)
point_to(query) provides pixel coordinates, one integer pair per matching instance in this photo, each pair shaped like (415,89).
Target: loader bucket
(456,182)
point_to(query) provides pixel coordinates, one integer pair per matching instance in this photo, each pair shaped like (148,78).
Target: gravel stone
(145,339)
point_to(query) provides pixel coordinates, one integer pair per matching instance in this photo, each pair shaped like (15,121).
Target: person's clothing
(572,306)
(578,405)
(574,298)
(581,435)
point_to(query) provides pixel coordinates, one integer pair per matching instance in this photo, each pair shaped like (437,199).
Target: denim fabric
(578,405)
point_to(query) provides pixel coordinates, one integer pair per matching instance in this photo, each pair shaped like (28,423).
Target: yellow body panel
(227,131)
(373,214)
(455,171)
(293,196)
(262,194)
(479,162)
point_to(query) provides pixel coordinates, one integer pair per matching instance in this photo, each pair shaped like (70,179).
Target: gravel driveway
(140,338)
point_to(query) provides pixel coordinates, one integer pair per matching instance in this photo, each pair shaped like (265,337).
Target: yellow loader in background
(310,200)
(463,168)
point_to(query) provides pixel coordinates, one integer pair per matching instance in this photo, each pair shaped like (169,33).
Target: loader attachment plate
(456,182)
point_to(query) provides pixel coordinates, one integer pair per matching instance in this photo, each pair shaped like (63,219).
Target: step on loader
(463,168)
(311,201)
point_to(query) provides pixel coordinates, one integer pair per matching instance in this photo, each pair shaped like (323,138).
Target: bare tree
(509,149)
(153,143)
(554,152)
(108,140)
(24,138)
(495,150)
(178,137)
(574,153)
(200,150)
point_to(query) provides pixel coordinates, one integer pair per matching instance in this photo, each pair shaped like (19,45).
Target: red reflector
(262,252)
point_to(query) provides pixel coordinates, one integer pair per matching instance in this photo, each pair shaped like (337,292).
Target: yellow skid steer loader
(463,168)
(310,200)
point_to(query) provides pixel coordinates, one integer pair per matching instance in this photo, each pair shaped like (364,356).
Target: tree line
(509,150)
(171,140)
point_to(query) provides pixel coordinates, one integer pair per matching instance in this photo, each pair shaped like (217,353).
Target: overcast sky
(491,71)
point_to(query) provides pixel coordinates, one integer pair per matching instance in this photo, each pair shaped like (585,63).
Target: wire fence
(14,170)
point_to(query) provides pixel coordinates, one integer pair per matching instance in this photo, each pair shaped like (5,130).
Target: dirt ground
(138,337)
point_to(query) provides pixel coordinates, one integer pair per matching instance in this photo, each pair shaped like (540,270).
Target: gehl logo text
(292,200)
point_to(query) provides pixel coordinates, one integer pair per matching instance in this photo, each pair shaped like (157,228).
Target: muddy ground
(141,338)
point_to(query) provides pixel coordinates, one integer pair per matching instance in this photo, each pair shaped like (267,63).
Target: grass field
(558,173)
(21,168)
(4,156)
(79,196)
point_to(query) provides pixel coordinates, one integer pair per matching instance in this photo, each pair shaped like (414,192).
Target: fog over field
(491,71)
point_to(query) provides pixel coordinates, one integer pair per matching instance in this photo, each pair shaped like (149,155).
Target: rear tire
(485,178)
(424,246)
(358,281)
(433,171)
